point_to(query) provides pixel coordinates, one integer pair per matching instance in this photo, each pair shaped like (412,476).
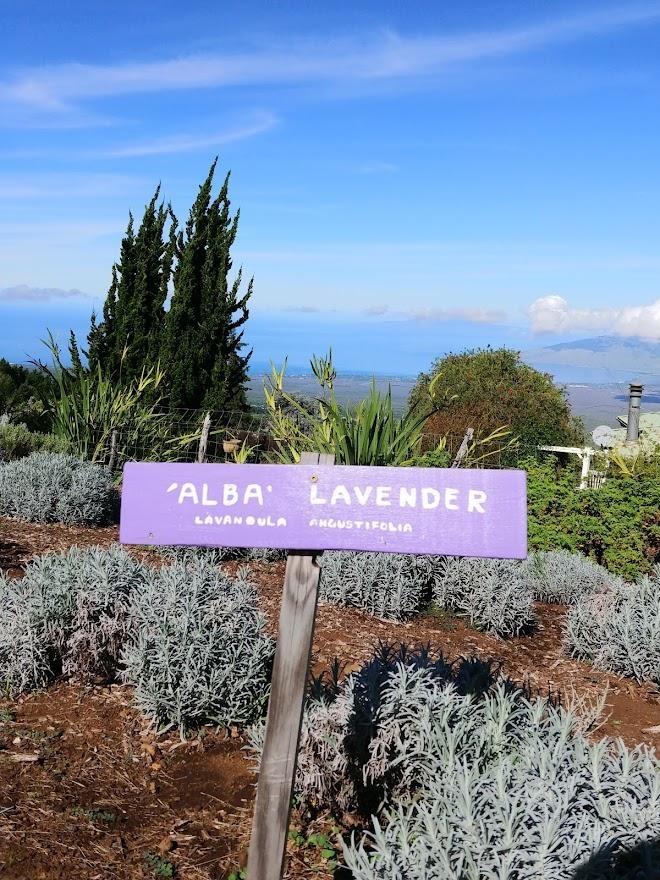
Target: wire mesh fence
(195,435)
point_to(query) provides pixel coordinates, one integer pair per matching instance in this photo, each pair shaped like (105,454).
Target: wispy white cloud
(553,314)
(185,143)
(22,293)
(389,56)
(475,315)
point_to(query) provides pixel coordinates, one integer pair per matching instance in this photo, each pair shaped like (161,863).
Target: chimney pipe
(634,401)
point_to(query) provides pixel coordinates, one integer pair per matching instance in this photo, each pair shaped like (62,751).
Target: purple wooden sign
(397,510)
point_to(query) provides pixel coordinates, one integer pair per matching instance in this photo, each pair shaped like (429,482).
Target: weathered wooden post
(285,709)
(204,438)
(464,448)
(457,512)
(112,460)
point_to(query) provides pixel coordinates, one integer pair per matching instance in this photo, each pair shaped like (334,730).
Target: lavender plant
(391,585)
(473,778)
(619,630)
(561,576)
(54,487)
(198,652)
(223,554)
(69,613)
(491,593)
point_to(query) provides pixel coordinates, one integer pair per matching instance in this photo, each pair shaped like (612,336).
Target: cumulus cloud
(26,294)
(553,314)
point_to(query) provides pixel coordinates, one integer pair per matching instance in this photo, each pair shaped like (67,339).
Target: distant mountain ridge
(598,359)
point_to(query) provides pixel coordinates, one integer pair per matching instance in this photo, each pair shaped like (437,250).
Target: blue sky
(411,178)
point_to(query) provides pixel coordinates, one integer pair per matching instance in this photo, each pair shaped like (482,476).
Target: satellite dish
(604,436)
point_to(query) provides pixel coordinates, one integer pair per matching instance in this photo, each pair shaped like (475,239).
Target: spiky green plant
(88,406)
(369,433)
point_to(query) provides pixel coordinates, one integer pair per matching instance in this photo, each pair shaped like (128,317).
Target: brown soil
(87,790)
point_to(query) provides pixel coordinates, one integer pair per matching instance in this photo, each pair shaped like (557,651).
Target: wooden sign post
(397,510)
(277,772)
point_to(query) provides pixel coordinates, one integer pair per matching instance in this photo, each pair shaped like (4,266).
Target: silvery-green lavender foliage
(69,613)
(54,487)
(619,630)
(198,651)
(491,593)
(561,576)
(391,585)
(475,780)
(341,729)
(223,554)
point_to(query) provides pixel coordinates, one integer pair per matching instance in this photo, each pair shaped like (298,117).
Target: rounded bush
(50,487)
(391,585)
(197,652)
(491,594)
(619,629)
(69,613)
(561,576)
(465,776)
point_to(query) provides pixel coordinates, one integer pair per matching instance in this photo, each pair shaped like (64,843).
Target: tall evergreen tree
(130,335)
(203,350)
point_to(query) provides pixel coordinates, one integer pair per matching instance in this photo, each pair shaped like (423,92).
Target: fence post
(463,448)
(204,438)
(285,710)
(113,450)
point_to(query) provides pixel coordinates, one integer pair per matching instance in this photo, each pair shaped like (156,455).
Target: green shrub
(16,441)
(53,487)
(24,394)
(490,388)
(617,526)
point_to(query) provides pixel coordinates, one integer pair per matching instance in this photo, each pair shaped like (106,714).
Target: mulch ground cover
(88,791)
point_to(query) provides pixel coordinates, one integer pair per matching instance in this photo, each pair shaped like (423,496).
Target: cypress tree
(203,351)
(129,337)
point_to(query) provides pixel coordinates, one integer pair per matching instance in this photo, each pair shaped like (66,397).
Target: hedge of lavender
(466,777)
(68,614)
(492,594)
(53,487)
(561,576)
(190,639)
(198,650)
(619,629)
(391,585)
